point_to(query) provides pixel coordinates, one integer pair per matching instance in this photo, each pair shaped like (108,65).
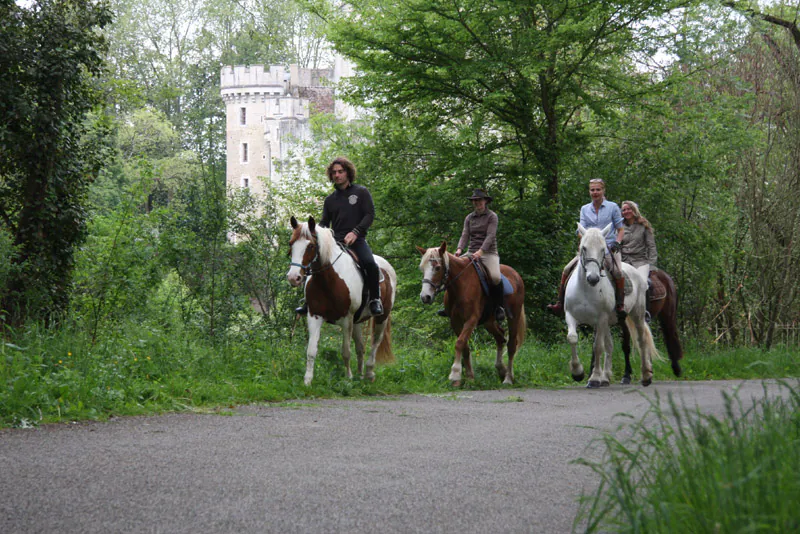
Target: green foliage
(155,361)
(678,470)
(50,54)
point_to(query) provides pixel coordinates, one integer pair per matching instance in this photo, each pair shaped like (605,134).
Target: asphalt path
(478,461)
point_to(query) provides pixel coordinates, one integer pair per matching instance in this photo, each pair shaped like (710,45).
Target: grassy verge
(677,470)
(57,375)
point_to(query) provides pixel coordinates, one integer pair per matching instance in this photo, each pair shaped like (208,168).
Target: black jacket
(348,210)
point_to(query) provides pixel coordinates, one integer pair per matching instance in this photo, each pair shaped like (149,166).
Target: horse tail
(522,326)
(384,353)
(647,335)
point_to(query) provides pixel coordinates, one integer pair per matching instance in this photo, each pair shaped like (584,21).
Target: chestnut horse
(664,307)
(333,294)
(466,305)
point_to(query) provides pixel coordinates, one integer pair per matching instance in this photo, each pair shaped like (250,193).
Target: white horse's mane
(433,254)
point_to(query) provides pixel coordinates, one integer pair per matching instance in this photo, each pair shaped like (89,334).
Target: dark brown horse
(334,294)
(664,307)
(466,305)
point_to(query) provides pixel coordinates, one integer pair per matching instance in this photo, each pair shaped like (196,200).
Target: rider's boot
(557,309)
(442,313)
(375,305)
(647,294)
(619,298)
(497,302)
(302,310)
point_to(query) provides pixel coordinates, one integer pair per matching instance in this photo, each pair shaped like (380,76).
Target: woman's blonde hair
(637,216)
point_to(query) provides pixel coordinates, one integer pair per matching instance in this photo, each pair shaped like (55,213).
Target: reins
(445,283)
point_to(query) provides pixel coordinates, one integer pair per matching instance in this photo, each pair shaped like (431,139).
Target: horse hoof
(647,382)
(593,384)
(579,378)
(456,383)
(605,384)
(626,380)
(676,368)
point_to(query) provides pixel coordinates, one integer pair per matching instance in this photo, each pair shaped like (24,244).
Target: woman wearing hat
(480,231)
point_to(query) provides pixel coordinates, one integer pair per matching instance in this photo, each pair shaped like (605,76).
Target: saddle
(508,289)
(658,290)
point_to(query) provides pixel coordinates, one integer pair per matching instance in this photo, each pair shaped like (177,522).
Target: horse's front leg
(576,369)
(314,329)
(607,358)
(599,377)
(347,334)
(358,337)
(461,345)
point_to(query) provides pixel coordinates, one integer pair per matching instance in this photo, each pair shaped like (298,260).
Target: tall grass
(143,366)
(679,470)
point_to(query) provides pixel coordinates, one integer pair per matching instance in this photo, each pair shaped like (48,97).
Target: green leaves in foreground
(683,471)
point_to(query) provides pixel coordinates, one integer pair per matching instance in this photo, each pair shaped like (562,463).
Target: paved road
(482,462)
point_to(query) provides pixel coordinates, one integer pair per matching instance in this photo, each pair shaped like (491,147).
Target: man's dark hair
(348,167)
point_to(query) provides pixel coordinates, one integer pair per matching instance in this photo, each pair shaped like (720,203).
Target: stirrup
(647,316)
(375,307)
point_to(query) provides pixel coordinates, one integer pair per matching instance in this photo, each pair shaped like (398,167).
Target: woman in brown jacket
(638,242)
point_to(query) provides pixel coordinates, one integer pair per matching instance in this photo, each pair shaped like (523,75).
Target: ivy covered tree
(51,52)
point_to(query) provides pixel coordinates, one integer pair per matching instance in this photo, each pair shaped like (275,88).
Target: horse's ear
(607,229)
(581,230)
(312,225)
(443,249)
(421,250)
(293,221)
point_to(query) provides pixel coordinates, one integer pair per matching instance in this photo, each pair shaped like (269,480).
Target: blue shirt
(609,213)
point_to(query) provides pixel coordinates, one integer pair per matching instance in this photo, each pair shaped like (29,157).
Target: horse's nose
(593,278)
(426,299)
(294,279)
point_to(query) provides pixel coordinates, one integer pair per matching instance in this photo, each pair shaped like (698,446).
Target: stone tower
(267,116)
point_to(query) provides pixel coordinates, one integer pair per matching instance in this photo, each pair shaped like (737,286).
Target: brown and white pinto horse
(464,302)
(333,294)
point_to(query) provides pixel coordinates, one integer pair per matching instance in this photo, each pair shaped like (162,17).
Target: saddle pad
(657,289)
(507,287)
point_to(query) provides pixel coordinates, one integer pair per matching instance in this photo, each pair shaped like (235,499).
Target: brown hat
(480,194)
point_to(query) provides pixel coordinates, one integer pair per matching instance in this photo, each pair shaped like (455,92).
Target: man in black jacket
(349,212)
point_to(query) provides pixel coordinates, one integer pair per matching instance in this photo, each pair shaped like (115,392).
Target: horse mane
(326,244)
(433,254)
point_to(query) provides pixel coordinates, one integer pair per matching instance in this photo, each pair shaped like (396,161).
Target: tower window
(242,116)
(245,154)
(245,182)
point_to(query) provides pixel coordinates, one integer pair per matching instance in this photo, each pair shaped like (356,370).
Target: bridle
(584,260)
(445,283)
(306,269)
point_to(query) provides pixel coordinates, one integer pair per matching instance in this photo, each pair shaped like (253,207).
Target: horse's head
(592,252)
(302,250)
(434,266)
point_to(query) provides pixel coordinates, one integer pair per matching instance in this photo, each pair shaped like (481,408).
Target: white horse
(589,300)
(333,293)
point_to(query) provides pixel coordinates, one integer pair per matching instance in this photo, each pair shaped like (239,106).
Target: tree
(512,81)
(51,52)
